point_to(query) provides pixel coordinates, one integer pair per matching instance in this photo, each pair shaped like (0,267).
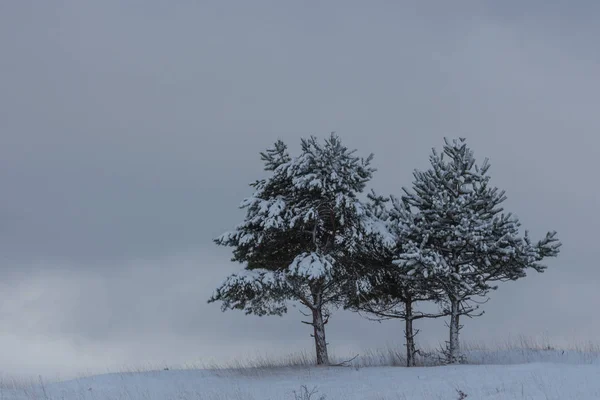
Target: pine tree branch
(344,363)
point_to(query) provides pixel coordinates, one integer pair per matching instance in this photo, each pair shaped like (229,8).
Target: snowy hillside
(553,380)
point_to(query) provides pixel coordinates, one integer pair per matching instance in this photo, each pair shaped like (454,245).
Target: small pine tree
(381,290)
(456,234)
(301,224)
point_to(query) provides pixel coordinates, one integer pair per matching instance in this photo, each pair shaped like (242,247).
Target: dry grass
(514,351)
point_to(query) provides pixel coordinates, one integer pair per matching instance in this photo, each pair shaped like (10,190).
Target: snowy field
(524,381)
(527,374)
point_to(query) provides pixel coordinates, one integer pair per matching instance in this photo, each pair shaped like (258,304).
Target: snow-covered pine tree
(301,223)
(456,232)
(381,289)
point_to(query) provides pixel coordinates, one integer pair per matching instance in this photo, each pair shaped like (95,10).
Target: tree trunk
(409,335)
(454,344)
(319,335)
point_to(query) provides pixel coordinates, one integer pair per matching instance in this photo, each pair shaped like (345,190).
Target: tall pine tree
(302,222)
(456,233)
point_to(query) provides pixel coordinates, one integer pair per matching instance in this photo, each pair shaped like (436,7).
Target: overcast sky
(130,130)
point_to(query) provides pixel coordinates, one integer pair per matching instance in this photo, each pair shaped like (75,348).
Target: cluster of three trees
(308,237)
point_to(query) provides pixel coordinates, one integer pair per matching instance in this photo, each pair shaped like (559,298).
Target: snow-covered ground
(525,381)
(529,374)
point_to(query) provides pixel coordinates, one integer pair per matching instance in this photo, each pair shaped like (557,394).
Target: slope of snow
(483,382)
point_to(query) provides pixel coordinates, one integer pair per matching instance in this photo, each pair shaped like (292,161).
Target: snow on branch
(312,266)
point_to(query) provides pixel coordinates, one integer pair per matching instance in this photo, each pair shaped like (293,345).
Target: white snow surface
(521,381)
